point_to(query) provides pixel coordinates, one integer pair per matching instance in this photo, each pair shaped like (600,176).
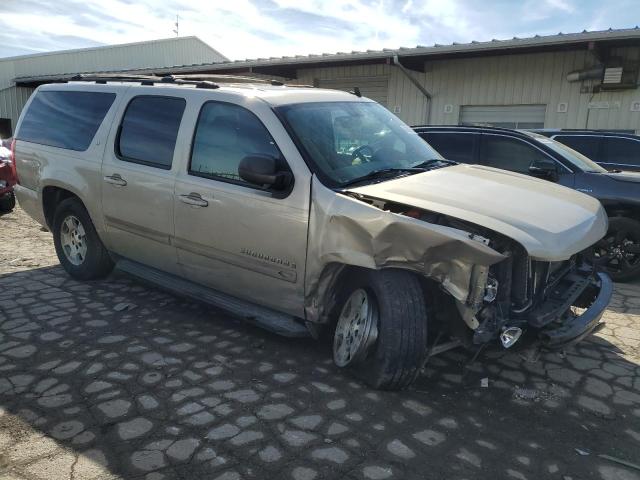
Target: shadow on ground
(116,379)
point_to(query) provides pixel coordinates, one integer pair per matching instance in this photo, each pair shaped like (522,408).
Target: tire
(619,250)
(95,261)
(394,358)
(7,203)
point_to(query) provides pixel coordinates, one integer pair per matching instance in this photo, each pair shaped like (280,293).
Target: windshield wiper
(383,172)
(434,162)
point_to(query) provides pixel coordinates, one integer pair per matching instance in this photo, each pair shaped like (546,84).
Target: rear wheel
(381,328)
(619,250)
(78,246)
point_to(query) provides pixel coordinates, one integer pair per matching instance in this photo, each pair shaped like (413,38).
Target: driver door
(516,155)
(233,236)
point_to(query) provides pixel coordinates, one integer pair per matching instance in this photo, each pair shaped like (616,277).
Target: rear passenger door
(588,145)
(621,153)
(232,235)
(138,173)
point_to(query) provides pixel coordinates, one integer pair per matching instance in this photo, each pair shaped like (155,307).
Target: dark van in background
(539,156)
(612,150)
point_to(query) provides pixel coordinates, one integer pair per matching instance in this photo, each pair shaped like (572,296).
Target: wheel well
(623,211)
(51,198)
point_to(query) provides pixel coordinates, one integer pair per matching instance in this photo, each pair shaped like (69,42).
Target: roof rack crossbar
(200,81)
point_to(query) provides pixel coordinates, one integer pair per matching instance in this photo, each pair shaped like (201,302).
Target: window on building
(504,116)
(225,134)
(453,146)
(586,145)
(621,151)
(509,153)
(149,130)
(65,119)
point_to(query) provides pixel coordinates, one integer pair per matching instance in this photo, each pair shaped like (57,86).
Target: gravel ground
(115,379)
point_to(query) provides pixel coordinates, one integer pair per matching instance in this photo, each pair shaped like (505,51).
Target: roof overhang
(411,58)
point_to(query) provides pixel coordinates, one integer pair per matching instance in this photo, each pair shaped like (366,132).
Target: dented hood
(552,222)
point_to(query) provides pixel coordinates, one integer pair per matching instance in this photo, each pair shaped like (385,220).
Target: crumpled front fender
(345,231)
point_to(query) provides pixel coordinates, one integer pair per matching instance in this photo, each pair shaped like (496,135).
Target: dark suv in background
(539,156)
(612,150)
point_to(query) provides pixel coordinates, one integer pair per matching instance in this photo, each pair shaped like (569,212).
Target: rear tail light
(12,159)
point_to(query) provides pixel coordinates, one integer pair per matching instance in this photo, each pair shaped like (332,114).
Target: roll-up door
(506,116)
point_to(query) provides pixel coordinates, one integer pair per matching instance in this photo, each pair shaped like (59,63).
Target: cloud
(252,28)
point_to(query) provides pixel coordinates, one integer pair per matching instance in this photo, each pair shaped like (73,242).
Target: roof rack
(200,81)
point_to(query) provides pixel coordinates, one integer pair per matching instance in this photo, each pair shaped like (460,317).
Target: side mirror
(263,170)
(545,169)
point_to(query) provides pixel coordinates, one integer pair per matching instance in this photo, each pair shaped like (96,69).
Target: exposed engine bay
(518,294)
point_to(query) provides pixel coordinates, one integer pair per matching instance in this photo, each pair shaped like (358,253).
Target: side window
(225,134)
(510,153)
(453,146)
(149,130)
(623,151)
(586,145)
(65,119)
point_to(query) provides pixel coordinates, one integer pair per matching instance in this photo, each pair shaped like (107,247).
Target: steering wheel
(360,153)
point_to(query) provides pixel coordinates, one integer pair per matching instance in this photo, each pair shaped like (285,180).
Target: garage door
(375,88)
(506,116)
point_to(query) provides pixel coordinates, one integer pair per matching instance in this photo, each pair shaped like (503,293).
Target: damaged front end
(500,293)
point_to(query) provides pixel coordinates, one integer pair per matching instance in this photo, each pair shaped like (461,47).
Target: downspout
(396,62)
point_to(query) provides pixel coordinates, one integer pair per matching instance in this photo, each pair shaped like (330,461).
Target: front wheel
(78,246)
(381,327)
(619,250)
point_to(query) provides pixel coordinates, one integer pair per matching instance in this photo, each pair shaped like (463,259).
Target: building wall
(153,54)
(521,79)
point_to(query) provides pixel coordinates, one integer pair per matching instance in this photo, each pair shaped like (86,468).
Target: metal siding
(526,79)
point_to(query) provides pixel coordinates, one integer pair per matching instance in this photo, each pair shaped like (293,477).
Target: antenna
(177,24)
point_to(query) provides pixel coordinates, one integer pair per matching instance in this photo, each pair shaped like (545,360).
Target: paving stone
(275,411)
(148,460)
(399,449)
(429,437)
(270,454)
(115,408)
(134,428)
(304,473)
(224,431)
(374,472)
(330,454)
(183,449)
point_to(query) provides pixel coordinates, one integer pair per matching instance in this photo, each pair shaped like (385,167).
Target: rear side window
(510,153)
(453,146)
(149,130)
(622,151)
(67,119)
(225,134)
(586,145)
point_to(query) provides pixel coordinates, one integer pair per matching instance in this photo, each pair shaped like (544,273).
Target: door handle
(194,199)
(116,180)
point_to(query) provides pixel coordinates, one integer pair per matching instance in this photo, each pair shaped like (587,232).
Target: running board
(276,322)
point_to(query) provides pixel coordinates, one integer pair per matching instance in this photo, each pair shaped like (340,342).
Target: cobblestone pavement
(114,379)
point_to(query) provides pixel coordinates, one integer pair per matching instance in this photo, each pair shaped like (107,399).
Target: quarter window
(65,119)
(225,134)
(510,154)
(149,130)
(622,151)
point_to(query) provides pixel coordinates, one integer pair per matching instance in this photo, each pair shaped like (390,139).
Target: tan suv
(308,211)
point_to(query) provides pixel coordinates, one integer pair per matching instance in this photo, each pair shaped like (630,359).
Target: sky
(243,29)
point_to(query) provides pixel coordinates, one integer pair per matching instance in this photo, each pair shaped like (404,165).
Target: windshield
(349,140)
(576,158)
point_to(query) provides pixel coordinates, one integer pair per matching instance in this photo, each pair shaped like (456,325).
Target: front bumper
(571,329)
